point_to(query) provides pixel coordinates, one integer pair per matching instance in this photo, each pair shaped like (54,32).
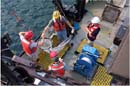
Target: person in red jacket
(92,30)
(57,67)
(29,46)
(59,25)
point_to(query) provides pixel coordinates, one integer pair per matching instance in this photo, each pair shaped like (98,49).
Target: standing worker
(59,25)
(93,29)
(29,46)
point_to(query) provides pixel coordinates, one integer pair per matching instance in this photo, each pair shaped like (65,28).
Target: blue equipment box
(91,58)
(85,65)
(90,50)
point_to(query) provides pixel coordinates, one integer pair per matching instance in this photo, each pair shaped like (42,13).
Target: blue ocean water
(34,13)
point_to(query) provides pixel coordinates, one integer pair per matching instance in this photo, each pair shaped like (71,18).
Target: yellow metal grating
(101,78)
(103,51)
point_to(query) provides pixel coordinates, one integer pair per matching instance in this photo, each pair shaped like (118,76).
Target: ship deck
(104,39)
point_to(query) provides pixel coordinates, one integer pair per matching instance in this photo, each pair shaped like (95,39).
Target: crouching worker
(92,30)
(57,67)
(29,46)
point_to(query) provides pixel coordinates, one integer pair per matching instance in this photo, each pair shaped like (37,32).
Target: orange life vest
(92,28)
(59,26)
(58,69)
(26,47)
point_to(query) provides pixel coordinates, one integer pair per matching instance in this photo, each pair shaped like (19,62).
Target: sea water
(34,13)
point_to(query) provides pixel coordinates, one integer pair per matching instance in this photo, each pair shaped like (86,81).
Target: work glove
(60,59)
(72,31)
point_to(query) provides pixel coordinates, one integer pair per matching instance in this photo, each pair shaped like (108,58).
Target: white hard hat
(95,20)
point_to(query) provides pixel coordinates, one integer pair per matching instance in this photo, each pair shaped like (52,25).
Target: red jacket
(59,26)
(26,47)
(58,69)
(94,29)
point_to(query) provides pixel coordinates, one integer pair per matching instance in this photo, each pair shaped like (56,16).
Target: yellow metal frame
(55,43)
(103,51)
(101,78)
(44,59)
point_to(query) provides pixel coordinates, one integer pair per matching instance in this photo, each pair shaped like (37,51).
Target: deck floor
(105,37)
